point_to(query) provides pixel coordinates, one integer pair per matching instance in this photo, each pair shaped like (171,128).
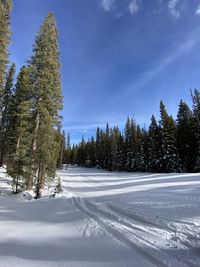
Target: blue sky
(118,57)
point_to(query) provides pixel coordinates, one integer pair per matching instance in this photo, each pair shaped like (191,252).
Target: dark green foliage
(196,110)
(58,188)
(5,10)
(47,100)
(170,146)
(170,158)
(5,116)
(20,130)
(62,149)
(186,137)
(32,144)
(35,143)
(155,146)
(140,153)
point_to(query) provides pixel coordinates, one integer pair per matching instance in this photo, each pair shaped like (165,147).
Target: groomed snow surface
(103,219)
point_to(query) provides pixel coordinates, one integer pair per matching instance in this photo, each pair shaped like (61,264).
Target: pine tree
(196,110)
(170,159)
(107,149)
(113,151)
(67,151)
(47,100)
(62,148)
(196,105)
(72,159)
(20,128)
(139,156)
(7,96)
(133,144)
(5,10)
(98,140)
(81,153)
(155,146)
(186,137)
(121,153)
(128,152)
(146,144)
(92,152)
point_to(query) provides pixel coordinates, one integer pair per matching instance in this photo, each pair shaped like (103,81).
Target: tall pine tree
(4,124)
(170,159)
(20,128)
(186,137)
(5,10)
(47,101)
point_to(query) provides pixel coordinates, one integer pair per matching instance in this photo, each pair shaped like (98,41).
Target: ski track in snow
(141,232)
(104,219)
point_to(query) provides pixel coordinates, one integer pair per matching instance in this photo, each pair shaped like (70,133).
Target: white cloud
(198,10)
(107,4)
(173,7)
(134,7)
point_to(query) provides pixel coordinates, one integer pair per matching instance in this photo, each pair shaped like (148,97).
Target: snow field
(104,219)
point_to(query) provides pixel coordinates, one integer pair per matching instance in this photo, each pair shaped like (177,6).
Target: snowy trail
(115,229)
(143,233)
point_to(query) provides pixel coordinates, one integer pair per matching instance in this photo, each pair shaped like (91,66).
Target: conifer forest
(80,187)
(33,145)
(30,138)
(168,145)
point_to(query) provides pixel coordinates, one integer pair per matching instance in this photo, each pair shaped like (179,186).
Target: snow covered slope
(104,219)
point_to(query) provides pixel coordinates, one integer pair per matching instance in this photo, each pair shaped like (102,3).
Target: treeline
(168,145)
(30,138)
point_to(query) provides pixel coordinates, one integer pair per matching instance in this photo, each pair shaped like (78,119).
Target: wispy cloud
(183,48)
(133,7)
(174,9)
(198,10)
(107,4)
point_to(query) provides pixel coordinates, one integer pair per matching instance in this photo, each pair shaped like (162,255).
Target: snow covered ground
(104,219)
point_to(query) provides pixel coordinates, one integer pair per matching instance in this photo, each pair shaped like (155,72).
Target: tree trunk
(40,181)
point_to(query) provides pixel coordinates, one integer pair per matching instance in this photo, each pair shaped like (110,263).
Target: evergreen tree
(7,96)
(196,110)
(146,144)
(107,149)
(133,144)
(47,101)
(139,156)
(62,149)
(128,152)
(5,10)
(113,151)
(186,137)
(92,152)
(121,153)
(68,151)
(81,153)
(98,145)
(155,150)
(72,159)
(20,128)
(196,105)
(155,146)
(170,159)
